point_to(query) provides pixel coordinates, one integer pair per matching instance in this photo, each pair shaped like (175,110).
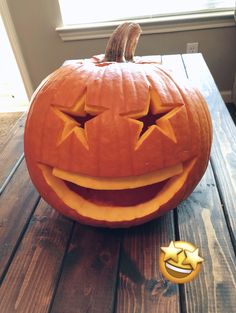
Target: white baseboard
(226,95)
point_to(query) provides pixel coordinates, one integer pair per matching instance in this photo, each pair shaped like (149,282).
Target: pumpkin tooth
(119,183)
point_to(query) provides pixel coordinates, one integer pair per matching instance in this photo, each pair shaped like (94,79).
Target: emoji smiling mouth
(178,269)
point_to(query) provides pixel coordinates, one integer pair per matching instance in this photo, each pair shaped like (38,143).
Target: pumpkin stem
(122,43)
(133,37)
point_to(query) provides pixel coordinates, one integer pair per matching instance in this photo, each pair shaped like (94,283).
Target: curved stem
(133,37)
(122,43)
(115,49)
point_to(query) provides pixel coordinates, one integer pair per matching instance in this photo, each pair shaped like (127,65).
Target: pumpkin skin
(116,144)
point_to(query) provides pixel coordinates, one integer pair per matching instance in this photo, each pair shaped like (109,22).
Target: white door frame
(12,36)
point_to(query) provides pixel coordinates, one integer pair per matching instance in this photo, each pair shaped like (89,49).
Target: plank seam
(225,212)
(114,308)
(182,295)
(57,280)
(11,174)
(8,263)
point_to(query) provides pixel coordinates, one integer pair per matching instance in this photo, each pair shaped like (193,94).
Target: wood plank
(141,287)
(17,203)
(11,153)
(13,129)
(175,64)
(202,222)
(223,153)
(88,280)
(32,277)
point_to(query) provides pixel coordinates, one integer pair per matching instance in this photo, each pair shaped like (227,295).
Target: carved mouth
(115,204)
(123,191)
(121,198)
(120,183)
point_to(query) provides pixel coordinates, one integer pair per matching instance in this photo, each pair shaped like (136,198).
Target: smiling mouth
(122,191)
(115,205)
(177,271)
(119,183)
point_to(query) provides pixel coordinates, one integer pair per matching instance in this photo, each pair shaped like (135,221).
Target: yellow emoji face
(180,262)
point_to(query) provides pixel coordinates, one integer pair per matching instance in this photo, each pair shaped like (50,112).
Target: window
(74,12)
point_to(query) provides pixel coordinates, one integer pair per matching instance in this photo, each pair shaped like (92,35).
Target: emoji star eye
(192,258)
(171,252)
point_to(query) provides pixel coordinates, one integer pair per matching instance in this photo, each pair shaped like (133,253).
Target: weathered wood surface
(17,203)
(14,129)
(11,154)
(223,154)
(141,287)
(50,264)
(201,221)
(203,213)
(89,272)
(31,280)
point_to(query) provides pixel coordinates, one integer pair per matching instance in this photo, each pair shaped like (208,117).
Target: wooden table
(49,263)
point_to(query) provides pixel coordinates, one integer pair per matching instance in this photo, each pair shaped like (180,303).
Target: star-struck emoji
(180,261)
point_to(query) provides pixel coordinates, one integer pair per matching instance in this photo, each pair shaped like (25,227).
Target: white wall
(44,51)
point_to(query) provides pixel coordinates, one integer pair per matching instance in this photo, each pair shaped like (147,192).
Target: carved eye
(149,120)
(82,120)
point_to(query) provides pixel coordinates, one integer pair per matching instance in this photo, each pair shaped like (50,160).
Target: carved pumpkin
(116,141)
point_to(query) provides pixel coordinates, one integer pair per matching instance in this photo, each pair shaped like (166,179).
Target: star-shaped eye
(149,120)
(82,120)
(192,258)
(171,252)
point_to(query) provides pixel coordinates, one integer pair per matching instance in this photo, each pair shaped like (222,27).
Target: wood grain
(32,277)
(17,203)
(11,153)
(223,153)
(175,64)
(89,276)
(141,287)
(202,222)
(9,125)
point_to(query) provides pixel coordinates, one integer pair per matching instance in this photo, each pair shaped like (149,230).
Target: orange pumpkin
(116,141)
